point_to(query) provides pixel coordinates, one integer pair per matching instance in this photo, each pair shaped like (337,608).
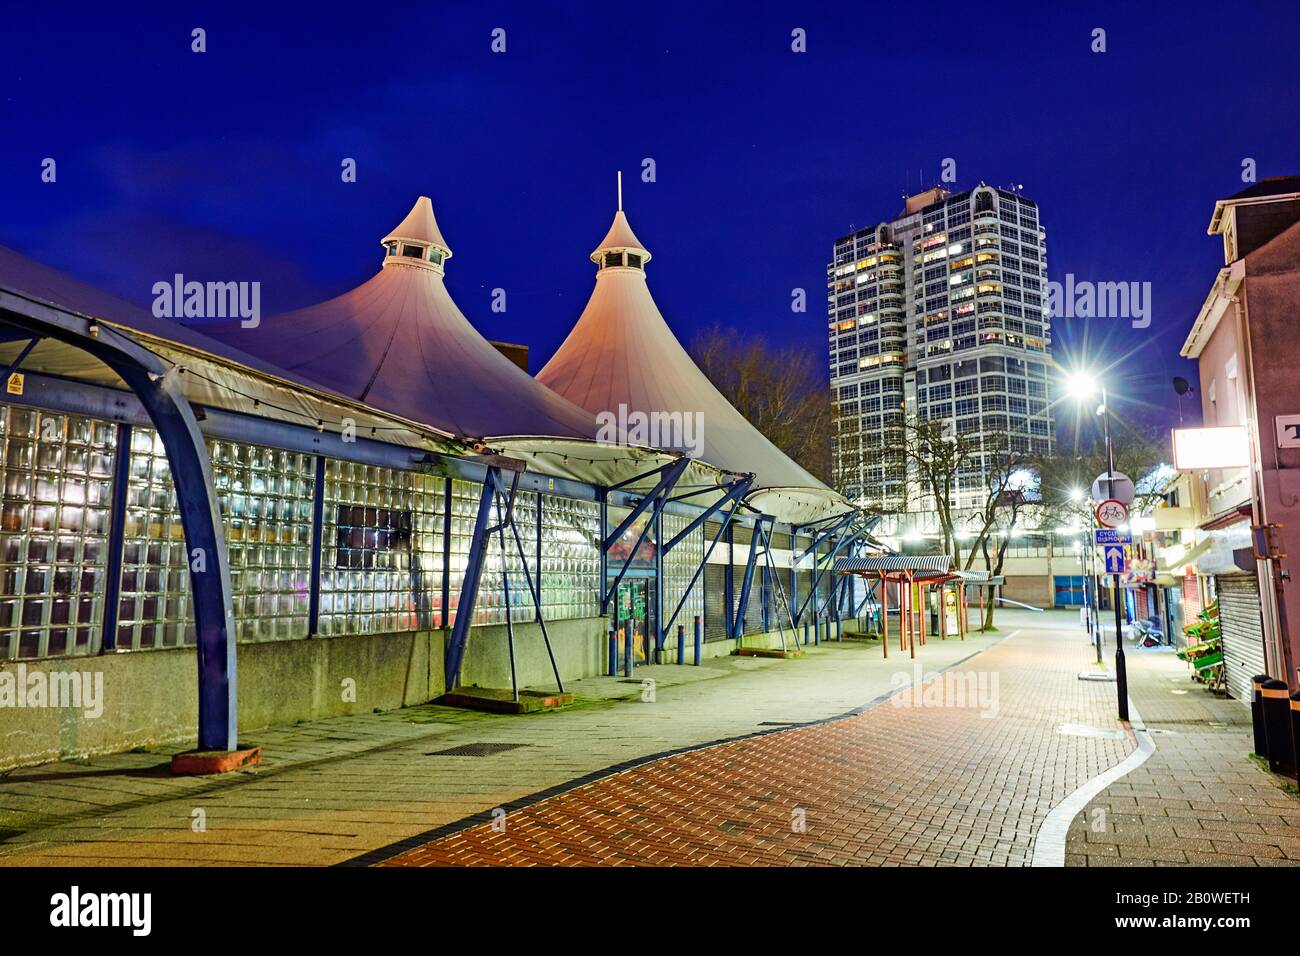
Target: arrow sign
(1114,559)
(1111,536)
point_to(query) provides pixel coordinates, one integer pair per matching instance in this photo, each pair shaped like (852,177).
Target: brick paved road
(929,785)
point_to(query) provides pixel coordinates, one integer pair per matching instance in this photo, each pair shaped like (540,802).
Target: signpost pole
(1121,671)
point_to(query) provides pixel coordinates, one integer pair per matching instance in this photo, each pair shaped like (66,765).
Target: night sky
(225,165)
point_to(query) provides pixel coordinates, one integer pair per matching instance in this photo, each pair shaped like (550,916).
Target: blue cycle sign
(1111,536)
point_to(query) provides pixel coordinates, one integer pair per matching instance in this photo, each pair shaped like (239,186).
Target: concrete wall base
(150,698)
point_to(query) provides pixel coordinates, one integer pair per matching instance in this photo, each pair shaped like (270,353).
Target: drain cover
(475,750)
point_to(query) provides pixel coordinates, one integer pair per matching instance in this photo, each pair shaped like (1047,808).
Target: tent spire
(620,248)
(417,240)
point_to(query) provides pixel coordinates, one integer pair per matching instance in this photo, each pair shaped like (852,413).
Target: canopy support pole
(161,393)
(473,575)
(748,579)
(780,591)
(884,613)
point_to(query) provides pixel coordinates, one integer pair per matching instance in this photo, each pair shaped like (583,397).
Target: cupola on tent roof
(621,352)
(399,343)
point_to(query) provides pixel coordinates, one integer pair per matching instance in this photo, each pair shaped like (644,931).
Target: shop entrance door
(635,614)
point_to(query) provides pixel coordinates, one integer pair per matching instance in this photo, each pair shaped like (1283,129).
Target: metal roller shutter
(1191,599)
(715,604)
(1243,632)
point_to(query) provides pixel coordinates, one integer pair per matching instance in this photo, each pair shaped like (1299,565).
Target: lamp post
(1082,386)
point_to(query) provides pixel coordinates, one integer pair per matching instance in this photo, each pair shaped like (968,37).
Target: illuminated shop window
(382,536)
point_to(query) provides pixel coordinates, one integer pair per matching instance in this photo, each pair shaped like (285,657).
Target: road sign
(1118,486)
(1111,536)
(1112,513)
(1114,560)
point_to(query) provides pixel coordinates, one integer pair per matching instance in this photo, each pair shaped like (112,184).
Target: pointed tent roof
(399,343)
(620,238)
(420,226)
(621,352)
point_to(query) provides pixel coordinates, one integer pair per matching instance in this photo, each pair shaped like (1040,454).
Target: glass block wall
(154,604)
(56,477)
(265,497)
(382,546)
(679,565)
(570,558)
(381,569)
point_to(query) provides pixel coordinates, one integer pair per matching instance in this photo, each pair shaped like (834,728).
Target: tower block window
(392,248)
(435,256)
(613,259)
(412,252)
(634,260)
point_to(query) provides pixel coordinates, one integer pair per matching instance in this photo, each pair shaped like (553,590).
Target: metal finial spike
(620,190)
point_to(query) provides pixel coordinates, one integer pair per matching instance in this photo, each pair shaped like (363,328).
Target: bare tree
(781,393)
(937,458)
(1063,477)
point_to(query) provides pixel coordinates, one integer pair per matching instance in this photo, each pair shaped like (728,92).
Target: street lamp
(1083,386)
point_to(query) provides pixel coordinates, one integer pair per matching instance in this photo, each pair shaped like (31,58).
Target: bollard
(1257,714)
(613,653)
(1275,699)
(681,643)
(839,630)
(1295,729)
(627,652)
(817,630)
(699,640)
(805,633)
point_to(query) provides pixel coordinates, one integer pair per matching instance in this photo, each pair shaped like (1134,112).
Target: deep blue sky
(225,165)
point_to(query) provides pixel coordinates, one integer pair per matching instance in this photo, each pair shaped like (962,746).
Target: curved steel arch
(191,469)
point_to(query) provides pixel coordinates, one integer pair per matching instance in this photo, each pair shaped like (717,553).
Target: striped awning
(926,563)
(980,577)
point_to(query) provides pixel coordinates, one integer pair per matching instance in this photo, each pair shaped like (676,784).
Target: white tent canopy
(621,353)
(398,342)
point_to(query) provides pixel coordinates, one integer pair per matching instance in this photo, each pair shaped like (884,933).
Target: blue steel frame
(317,540)
(116,536)
(734,497)
(494,496)
(780,590)
(160,393)
(669,475)
(850,529)
(468,598)
(747,579)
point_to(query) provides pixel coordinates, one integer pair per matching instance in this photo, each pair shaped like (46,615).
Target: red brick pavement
(896,785)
